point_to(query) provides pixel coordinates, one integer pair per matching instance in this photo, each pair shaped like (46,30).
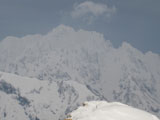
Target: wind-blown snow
(122,74)
(102,110)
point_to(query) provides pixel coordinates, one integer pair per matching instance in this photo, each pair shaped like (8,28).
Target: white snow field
(102,110)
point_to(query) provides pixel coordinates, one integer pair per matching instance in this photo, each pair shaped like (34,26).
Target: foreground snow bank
(102,110)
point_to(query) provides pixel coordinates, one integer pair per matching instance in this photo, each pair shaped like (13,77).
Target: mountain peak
(63,28)
(124,74)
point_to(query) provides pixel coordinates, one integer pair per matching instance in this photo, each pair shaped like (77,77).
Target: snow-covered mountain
(121,74)
(102,110)
(24,98)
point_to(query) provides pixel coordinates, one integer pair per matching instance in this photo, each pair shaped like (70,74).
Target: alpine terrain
(44,77)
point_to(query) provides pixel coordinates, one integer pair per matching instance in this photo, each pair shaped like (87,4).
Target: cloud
(91,10)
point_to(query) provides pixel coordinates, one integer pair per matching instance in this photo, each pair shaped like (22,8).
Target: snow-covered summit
(102,110)
(122,74)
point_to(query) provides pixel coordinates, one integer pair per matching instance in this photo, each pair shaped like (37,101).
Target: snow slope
(24,98)
(101,110)
(122,74)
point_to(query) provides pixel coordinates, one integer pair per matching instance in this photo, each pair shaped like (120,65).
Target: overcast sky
(134,21)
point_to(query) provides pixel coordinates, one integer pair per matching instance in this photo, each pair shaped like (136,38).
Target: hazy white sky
(134,21)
